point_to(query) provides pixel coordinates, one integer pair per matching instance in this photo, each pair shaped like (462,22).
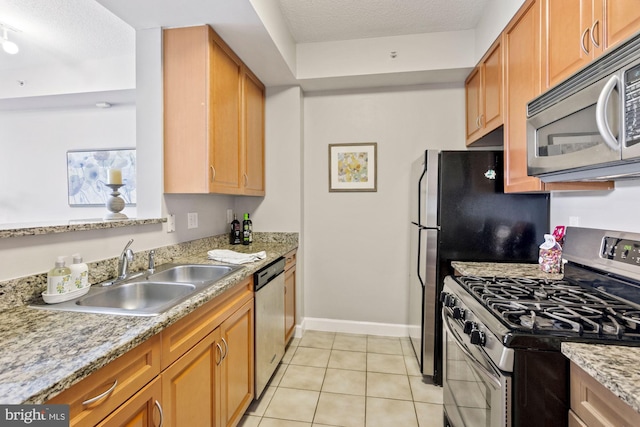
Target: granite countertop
(503,269)
(45,352)
(615,367)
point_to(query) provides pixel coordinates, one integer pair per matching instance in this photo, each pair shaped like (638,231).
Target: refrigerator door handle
(424,172)
(419,256)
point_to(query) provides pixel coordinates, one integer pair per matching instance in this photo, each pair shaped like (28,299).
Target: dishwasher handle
(266,274)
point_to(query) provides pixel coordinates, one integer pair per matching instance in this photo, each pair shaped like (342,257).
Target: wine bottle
(236,233)
(247,230)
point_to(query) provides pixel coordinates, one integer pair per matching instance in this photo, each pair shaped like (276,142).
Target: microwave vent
(598,69)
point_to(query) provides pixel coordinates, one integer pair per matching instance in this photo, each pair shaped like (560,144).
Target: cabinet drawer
(95,397)
(290,259)
(178,338)
(596,405)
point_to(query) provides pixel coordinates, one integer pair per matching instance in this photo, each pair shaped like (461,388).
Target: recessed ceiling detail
(332,20)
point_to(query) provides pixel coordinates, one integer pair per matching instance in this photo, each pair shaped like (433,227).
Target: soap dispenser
(59,278)
(79,273)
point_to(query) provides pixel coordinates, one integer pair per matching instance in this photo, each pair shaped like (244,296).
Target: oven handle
(487,373)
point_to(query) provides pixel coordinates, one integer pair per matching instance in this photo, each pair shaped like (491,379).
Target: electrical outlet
(192,220)
(171,223)
(574,221)
(229,216)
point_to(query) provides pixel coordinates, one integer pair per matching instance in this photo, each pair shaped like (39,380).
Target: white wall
(495,18)
(33,165)
(610,210)
(356,244)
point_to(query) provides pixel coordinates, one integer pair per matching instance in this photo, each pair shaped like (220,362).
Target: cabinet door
(473,94)
(224,122)
(622,20)
(289,303)
(95,397)
(189,389)
(492,90)
(253,125)
(567,44)
(522,83)
(186,109)
(142,410)
(237,367)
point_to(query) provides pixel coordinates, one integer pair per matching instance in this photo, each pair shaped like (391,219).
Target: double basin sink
(147,294)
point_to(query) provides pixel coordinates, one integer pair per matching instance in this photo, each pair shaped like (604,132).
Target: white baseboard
(351,327)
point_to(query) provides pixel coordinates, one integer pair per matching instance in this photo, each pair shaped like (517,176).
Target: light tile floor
(329,379)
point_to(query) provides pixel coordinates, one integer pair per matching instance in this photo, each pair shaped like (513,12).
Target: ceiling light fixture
(8,46)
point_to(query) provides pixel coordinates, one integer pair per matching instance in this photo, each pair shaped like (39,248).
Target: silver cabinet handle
(213,173)
(226,348)
(221,357)
(161,413)
(481,119)
(593,39)
(582,45)
(246,180)
(101,396)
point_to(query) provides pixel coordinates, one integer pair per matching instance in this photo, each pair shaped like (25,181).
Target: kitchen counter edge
(613,366)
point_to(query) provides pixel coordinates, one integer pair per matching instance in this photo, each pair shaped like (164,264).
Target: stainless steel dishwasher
(269,322)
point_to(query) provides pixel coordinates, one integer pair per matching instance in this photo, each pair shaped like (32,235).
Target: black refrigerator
(459,212)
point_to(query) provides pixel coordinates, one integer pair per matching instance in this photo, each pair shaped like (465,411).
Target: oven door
(476,393)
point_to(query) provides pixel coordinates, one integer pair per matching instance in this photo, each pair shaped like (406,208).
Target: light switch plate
(192,220)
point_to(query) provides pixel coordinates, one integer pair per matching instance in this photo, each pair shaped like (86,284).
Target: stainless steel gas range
(502,336)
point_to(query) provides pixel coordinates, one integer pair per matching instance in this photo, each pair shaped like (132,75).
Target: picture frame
(353,167)
(87,172)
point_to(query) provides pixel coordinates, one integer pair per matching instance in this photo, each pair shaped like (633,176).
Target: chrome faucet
(126,257)
(152,261)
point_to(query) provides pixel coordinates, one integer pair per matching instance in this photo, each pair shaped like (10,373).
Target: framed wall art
(87,175)
(353,167)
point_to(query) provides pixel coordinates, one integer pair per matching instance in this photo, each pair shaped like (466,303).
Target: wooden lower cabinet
(289,296)
(212,384)
(593,405)
(142,410)
(189,385)
(197,372)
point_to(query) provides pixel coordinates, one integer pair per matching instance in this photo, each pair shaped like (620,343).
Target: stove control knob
(469,326)
(447,300)
(458,313)
(478,337)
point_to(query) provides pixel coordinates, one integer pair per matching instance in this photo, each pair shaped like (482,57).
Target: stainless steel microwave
(588,127)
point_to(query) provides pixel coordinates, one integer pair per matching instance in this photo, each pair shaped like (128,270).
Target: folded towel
(233,257)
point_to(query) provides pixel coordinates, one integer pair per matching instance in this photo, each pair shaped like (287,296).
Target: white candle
(114,176)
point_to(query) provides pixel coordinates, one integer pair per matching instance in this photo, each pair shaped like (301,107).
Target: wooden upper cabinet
(213,116)
(567,38)
(483,92)
(253,121)
(522,83)
(622,20)
(577,31)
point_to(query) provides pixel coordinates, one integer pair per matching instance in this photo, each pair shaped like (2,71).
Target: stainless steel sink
(146,294)
(137,296)
(193,273)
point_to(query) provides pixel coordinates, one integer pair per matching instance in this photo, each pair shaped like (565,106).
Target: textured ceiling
(64,30)
(331,20)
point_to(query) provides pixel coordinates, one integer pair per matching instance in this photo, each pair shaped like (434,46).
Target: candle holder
(115,204)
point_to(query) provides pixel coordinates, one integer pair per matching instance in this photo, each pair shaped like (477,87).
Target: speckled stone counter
(45,352)
(615,367)
(502,269)
(34,229)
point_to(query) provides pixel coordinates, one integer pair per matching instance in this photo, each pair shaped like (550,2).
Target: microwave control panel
(632,105)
